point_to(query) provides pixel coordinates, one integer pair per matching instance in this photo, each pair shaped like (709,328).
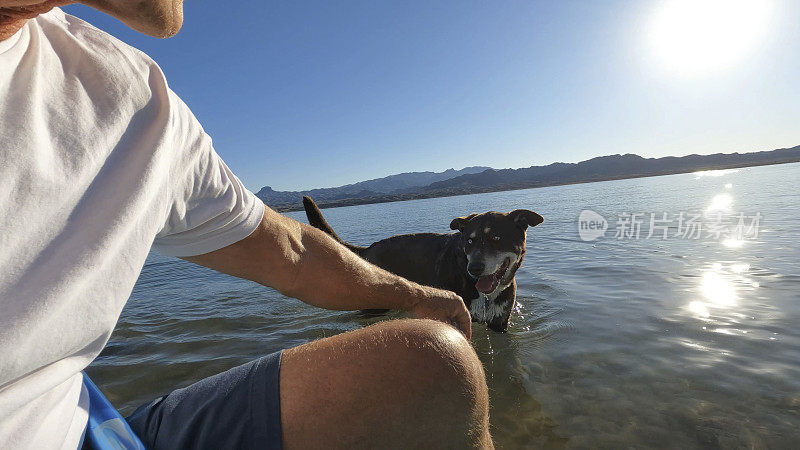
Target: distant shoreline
(390,198)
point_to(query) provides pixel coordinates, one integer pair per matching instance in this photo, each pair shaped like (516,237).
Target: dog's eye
(469,241)
(495,238)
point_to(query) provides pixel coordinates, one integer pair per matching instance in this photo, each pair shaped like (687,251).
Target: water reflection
(718,291)
(516,415)
(714,173)
(699,309)
(720,202)
(740,268)
(733,243)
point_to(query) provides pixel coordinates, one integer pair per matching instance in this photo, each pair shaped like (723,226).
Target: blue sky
(304,94)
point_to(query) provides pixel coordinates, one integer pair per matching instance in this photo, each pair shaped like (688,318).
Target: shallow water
(679,343)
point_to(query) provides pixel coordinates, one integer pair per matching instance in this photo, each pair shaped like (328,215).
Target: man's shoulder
(101,47)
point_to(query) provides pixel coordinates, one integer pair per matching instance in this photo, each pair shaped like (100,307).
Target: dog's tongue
(487,284)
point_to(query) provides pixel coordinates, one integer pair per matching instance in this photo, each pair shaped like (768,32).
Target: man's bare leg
(401,383)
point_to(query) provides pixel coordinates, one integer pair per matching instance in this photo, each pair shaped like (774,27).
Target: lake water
(616,342)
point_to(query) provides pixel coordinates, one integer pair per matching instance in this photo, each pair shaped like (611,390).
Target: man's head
(158,18)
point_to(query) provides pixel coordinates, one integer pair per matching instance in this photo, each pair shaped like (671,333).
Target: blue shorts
(239,408)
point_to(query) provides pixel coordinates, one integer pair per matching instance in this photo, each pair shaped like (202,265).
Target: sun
(695,37)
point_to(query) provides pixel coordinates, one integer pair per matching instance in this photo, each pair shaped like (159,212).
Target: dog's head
(494,244)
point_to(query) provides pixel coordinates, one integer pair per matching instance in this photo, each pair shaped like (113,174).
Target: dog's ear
(460,222)
(525,218)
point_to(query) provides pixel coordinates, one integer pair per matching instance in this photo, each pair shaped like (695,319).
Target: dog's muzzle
(475,269)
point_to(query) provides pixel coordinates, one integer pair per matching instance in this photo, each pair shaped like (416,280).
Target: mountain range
(393,184)
(471,180)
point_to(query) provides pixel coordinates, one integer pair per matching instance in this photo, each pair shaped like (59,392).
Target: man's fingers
(459,324)
(466,326)
(448,308)
(463,321)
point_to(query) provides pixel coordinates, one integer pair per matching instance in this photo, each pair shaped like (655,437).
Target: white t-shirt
(99,161)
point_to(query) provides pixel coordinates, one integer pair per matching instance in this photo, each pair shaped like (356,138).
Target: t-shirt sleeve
(209,207)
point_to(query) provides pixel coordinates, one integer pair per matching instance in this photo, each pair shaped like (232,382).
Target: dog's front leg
(499,311)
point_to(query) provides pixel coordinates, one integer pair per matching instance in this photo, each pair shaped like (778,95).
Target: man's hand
(444,306)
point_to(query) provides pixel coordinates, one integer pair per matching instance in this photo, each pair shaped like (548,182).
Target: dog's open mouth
(488,283)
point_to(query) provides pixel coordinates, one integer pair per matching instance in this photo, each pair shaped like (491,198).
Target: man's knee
(431,352)
(442,369)
(428,343)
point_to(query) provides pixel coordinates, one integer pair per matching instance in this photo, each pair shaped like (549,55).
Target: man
(99,161)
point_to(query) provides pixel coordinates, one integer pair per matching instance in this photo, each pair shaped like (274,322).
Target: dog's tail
(316,220)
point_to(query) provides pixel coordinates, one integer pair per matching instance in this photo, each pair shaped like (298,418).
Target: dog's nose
(476,269)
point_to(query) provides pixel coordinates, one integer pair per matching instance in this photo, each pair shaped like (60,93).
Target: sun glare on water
(695,37)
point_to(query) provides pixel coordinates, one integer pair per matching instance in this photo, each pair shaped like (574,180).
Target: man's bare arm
(303,262)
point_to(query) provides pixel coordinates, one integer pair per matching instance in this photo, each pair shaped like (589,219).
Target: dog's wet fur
(478,262)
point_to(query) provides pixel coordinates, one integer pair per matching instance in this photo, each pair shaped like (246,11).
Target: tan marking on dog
(487,230)
(472,235)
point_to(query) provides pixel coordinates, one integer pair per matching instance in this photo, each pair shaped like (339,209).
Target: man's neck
(9,29)
(12,18)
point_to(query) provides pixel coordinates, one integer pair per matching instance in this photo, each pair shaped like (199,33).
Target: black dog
(478,262)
